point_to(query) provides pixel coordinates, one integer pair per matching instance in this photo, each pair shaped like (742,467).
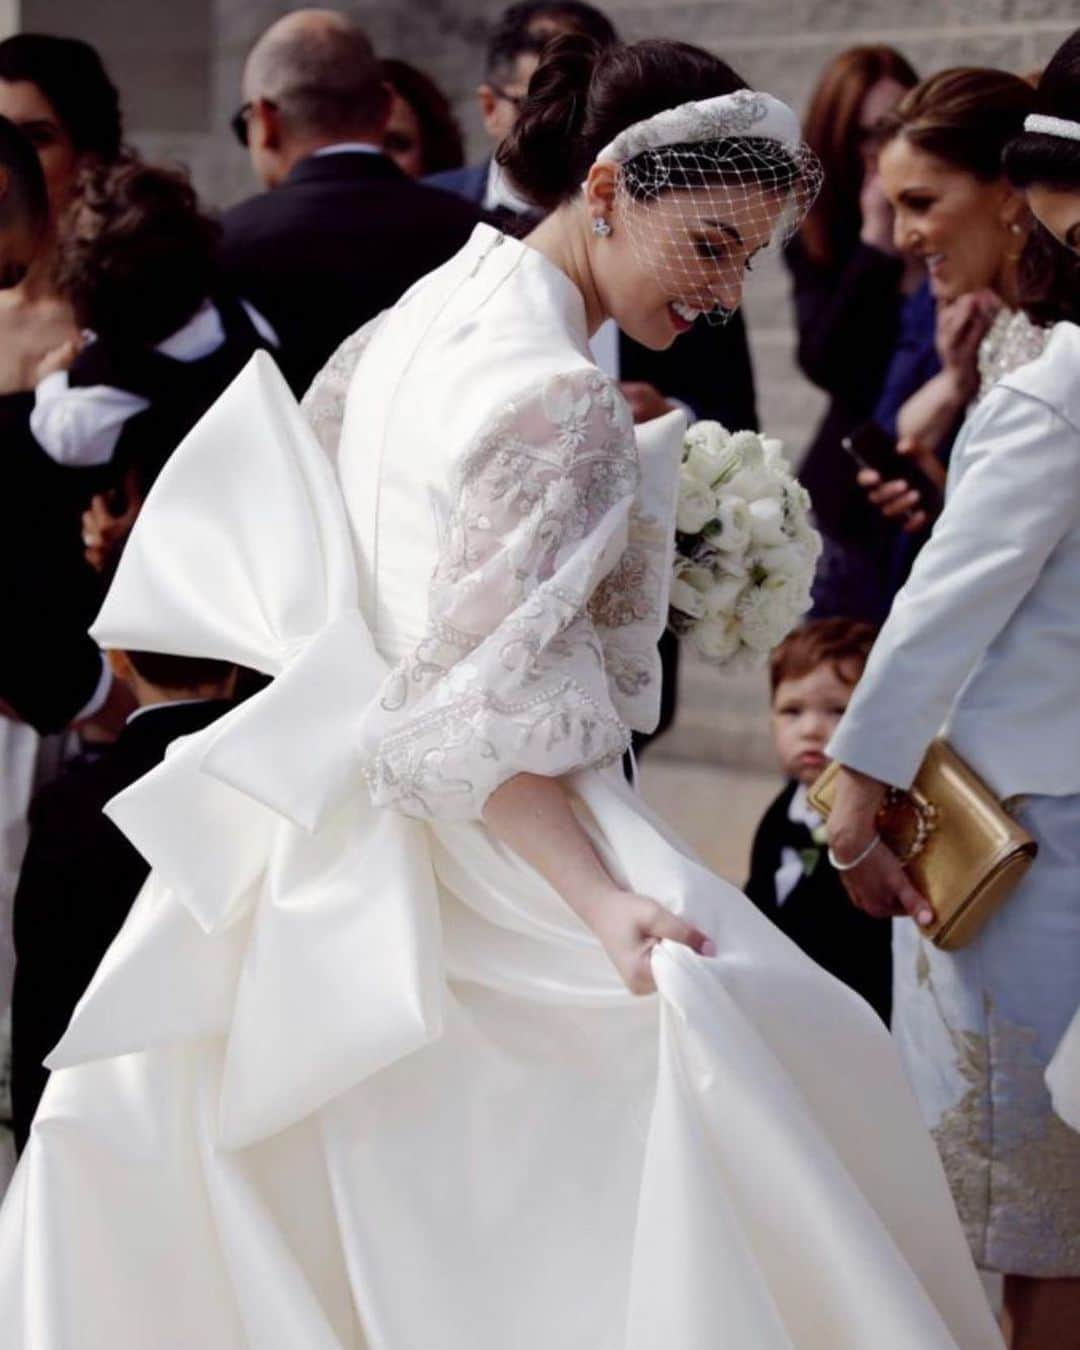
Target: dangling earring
(600,227)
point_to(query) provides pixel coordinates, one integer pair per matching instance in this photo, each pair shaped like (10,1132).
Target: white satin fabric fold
(351,1081)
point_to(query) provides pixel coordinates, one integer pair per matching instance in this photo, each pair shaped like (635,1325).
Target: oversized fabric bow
(261,826)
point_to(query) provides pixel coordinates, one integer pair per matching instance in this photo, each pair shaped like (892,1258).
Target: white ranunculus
(697,506)
(767,522)
(717,639)
(723,597)
(731,531)
(687,599)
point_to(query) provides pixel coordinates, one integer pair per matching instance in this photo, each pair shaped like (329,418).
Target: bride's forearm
(532,815)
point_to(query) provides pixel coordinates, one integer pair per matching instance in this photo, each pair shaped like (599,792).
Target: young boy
(813,674)
(80,875)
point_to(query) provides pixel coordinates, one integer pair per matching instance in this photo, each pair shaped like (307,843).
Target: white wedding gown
(352,1075)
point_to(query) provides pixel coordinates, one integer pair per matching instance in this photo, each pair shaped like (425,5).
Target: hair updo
(582,96)
(965,117)
(1051,161)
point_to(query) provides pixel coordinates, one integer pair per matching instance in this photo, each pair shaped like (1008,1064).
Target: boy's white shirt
(80,427)
(792,867)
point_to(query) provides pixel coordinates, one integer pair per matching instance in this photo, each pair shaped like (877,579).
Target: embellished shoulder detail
(510,676)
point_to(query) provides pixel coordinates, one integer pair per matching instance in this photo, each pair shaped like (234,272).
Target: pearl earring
(600,227)
(1016,229)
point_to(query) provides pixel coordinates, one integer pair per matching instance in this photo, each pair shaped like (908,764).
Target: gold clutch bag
(961,848)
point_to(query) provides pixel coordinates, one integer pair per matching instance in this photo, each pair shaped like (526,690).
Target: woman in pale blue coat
(985,641)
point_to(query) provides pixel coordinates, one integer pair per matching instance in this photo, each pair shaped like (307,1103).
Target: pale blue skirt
(976,1029)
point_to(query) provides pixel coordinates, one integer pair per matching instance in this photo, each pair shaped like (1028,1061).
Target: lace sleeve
(324,403)
(510,676)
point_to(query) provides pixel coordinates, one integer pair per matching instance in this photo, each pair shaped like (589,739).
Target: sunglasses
(515,100)
(239,120)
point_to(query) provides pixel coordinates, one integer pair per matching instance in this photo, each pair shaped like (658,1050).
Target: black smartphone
(873,448)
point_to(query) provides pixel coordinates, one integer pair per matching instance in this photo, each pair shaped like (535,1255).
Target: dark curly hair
(136,255)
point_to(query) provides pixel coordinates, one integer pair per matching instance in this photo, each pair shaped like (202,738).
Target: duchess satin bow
(242,553)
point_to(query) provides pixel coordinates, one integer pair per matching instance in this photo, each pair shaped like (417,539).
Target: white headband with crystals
(746,113)
(1042,125)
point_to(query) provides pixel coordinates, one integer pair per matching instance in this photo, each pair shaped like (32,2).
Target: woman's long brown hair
(833,133)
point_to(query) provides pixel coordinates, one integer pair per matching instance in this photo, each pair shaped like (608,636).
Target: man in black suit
(708,370)
(342,233)
(80,875)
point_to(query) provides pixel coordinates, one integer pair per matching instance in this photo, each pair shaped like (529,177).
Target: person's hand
(104,528)
(60,358)
(961,326)
(878,885)
(646,401)
(629,927)
(895,498)
(877,214)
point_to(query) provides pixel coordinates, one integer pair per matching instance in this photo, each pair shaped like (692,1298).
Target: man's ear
(265,130)
(119,664)
(487,100)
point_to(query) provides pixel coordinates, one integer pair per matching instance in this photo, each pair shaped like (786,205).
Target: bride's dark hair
(1051,161)
(1050,274)
(582,96)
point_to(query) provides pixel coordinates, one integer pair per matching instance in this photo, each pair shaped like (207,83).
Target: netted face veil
(706,189)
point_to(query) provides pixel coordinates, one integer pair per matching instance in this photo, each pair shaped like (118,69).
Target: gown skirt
(352,1080)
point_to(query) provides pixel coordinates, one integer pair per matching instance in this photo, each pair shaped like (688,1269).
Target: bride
(368,1066)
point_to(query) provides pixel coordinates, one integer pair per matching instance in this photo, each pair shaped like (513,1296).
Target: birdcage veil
(732,169)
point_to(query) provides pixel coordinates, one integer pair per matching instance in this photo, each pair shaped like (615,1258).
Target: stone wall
(178,64)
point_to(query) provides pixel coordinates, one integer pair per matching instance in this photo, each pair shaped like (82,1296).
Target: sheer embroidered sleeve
(324,403)
(510,676)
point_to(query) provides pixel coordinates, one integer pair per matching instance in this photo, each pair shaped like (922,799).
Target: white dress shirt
(80,426)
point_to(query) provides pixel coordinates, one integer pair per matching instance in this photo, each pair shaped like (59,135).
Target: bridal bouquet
(744,547)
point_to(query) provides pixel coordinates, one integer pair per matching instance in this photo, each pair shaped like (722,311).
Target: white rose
(731,533)
(747,445)
(711,435)
(767,522)
(717,639)
(774,454)
(709,465)
(687,599)
(697,506)
(722,598)
(785,560)
(766,615)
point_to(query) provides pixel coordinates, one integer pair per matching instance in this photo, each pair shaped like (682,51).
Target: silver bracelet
(855,862)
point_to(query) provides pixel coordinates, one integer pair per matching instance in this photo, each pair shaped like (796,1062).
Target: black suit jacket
(49,667)
(817,915)
(340,240)
(79,878)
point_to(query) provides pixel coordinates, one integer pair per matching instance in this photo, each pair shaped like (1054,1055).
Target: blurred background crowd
(357,155)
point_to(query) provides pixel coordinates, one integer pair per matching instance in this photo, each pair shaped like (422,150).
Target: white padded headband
(1052,126)
(745,113)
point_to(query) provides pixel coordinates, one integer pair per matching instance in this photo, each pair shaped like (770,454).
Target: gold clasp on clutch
(906,822)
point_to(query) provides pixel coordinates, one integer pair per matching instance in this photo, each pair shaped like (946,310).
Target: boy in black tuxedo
(813,674)
(80,875)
